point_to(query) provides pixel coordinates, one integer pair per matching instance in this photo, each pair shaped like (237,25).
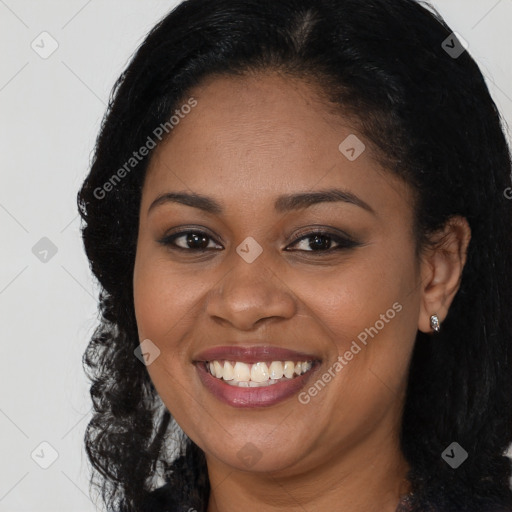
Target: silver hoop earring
(434,323)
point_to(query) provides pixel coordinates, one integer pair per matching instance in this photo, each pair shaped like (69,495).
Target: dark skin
(246,142)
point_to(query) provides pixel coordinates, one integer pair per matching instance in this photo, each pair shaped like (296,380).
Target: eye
(321,241)
(196,241)
(199,241)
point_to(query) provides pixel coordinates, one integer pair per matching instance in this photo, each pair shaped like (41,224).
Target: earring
(434,323)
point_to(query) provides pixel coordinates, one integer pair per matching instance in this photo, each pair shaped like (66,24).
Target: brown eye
(320,241)
(189,240)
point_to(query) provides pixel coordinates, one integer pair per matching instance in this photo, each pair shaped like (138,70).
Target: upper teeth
(256,372)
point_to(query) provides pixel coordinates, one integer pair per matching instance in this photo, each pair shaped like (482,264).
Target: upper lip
(253,354)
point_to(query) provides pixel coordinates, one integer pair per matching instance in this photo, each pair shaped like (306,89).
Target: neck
(370,477)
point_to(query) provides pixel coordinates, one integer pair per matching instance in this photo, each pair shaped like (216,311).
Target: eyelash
(343,242)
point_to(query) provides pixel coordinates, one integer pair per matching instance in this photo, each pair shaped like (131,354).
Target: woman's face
(348,300)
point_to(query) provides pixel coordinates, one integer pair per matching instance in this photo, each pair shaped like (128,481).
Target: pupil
(320,245)
(194,237)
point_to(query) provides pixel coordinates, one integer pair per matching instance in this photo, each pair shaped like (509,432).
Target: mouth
(254,376)
(260,374)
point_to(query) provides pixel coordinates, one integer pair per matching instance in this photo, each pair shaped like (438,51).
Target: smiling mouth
(259,374)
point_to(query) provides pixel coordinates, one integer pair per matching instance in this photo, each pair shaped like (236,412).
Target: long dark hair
(391,66)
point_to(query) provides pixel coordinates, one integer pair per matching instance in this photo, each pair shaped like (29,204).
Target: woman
(297,214)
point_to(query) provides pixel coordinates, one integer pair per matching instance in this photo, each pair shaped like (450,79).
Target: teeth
(276,370)
(218,369)
(242,372)
(257,374)
(289,369)
(229,372)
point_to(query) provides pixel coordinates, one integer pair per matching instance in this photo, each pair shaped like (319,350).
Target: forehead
(255,137)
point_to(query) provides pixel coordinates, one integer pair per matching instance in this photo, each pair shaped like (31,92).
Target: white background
(50,111)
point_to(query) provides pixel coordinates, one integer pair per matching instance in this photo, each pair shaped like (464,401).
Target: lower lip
(253,397)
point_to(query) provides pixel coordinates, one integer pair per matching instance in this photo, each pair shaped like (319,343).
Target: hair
(432,121)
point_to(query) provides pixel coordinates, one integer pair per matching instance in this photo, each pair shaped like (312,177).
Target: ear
(441,270)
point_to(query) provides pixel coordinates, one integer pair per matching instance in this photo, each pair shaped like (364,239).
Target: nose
(250,293)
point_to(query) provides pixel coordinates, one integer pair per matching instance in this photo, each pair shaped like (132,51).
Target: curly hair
(430,114)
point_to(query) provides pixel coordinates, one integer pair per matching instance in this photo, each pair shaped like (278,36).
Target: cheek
(162,297)
(360,294)
(369,316)
(369,313)
(164,301)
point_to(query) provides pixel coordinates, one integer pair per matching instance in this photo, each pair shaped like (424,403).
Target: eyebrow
(284,203)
